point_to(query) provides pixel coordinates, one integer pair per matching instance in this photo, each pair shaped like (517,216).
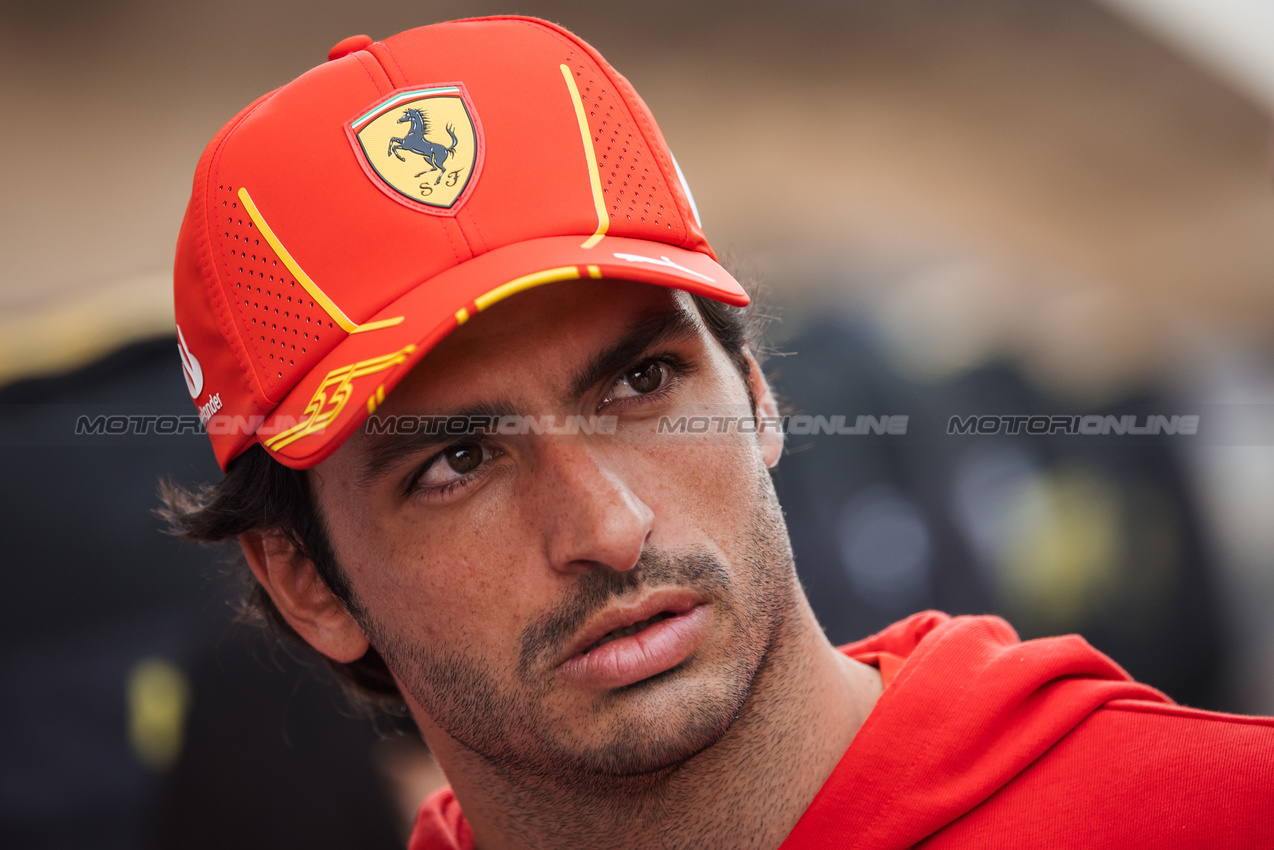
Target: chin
(655,726)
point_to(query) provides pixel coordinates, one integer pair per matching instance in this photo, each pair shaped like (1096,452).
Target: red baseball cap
(342,225)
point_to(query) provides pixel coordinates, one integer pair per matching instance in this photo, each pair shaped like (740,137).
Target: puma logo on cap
(190,368)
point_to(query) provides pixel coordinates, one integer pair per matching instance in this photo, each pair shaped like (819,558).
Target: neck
(747,790)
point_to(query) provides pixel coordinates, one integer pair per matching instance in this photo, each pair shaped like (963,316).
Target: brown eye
(646,378)
(641,380)
(464,458)
(454,463)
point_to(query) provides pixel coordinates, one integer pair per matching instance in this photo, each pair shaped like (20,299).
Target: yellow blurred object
(1065,547)
(67,333)
(158,697)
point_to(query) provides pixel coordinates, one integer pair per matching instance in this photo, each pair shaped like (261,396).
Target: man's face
(565,605)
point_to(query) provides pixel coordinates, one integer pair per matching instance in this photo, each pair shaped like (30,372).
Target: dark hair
(259,494)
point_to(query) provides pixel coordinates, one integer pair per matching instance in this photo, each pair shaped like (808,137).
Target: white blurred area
(1231,36)
(1082,187)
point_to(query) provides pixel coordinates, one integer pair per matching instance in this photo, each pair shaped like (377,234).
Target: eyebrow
(384,451)
(654,328)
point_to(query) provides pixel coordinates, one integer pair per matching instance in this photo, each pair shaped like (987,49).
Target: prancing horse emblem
(434,123)
(435,153)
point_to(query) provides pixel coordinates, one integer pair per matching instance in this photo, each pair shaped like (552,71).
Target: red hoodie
(981,740)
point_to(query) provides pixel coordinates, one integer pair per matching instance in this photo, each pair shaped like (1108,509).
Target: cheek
(707,484)
(705,489)
(450,586)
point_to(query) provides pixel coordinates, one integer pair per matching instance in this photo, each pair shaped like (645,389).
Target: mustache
(545,636)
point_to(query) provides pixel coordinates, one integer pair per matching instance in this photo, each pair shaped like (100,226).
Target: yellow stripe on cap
(319,296)
(375,326)
(599,201)
(516,285)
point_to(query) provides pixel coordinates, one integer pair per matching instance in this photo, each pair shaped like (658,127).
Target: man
(450,479)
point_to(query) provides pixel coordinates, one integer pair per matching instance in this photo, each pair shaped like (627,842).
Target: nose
(590,515)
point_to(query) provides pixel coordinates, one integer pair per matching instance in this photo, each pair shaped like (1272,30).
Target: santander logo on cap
(190,368)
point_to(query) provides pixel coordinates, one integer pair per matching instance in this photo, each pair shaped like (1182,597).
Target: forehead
(546,333)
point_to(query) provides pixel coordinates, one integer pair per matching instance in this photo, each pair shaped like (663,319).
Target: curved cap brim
(338,394)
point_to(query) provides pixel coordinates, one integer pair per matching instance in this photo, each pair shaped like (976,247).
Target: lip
(655,649)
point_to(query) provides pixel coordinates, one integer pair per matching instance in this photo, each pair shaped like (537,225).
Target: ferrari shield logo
(421,145)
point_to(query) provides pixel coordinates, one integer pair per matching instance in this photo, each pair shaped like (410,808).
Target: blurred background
(957,207)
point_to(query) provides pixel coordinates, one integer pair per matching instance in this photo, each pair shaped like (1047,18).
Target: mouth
(629,631)
(628,644)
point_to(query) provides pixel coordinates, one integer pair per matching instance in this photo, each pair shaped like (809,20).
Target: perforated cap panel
(277,317)
(638,200)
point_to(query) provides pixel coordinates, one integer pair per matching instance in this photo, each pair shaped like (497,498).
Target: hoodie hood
(967,706)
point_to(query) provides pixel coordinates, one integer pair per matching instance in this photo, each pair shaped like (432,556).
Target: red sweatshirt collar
(968,709)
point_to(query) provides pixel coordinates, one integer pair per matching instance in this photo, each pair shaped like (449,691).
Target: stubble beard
(512,728)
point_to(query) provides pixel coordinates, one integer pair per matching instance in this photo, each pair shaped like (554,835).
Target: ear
(769,429)
(302,597)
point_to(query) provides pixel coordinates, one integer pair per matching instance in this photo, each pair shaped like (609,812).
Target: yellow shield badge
(422,146)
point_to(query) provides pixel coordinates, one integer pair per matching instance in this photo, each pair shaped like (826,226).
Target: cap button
(348,45)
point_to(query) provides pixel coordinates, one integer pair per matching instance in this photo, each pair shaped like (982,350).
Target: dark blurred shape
(272,758)
(110,620)
(1095,535)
